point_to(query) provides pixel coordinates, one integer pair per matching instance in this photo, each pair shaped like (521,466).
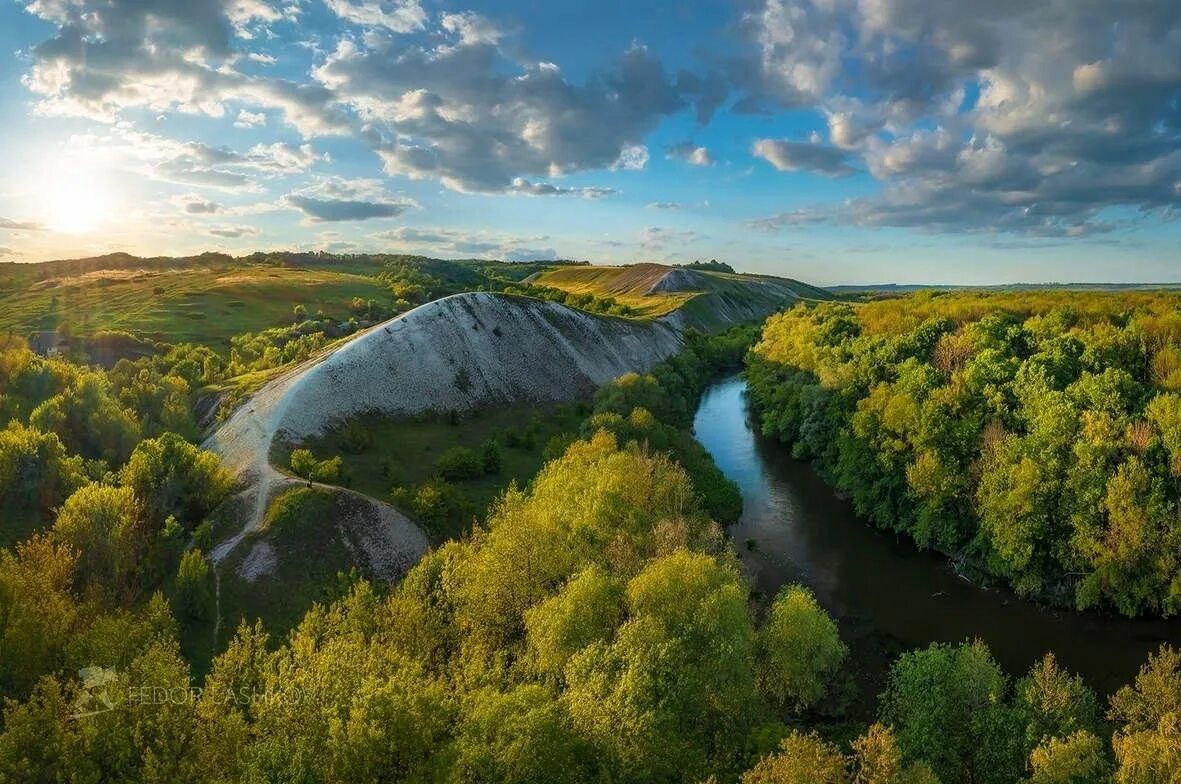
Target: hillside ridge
(453,354)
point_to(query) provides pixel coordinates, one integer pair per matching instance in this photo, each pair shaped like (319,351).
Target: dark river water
(886,594)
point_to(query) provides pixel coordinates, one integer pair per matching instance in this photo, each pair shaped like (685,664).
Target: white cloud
(233,232)
(787,155)
(476,119)
(335,199)
(250,119)
(634,157)
(1027,118)
(521,185)
(400,16)
(690,153)
(196,204)
(472,28)
(477,244)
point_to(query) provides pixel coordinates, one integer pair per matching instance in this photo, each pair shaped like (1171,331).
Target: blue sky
(835,141)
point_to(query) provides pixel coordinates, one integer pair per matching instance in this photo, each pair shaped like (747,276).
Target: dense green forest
(1034,435)
(595,625)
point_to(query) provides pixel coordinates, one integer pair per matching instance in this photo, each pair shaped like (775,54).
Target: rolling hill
(702,299)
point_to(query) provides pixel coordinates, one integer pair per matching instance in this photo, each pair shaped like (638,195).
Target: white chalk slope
(456,353)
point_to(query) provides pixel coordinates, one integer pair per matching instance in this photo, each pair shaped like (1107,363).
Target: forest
(595,625)
(1035,437)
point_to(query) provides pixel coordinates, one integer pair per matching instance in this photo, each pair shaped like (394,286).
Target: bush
(459,463)
(436,503)
(194,595)
(306,466)
(491,457)
(355,437)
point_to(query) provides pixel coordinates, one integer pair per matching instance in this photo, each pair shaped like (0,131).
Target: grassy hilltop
(705,299)
(210,298)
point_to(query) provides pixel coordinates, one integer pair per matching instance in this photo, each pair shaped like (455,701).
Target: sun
(78,202)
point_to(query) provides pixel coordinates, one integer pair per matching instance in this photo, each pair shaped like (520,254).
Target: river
(886,594)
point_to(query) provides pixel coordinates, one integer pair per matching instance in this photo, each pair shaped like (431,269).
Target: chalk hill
(456,353)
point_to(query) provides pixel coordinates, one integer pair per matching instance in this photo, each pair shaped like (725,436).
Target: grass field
(404,452)
(626,285)
(187,304)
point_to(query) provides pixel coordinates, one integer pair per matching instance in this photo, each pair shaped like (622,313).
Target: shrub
(459,463)
(437,503)
(194,596)
(491,456)
(305,465)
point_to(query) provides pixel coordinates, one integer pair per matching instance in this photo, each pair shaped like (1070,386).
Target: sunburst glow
(78,202)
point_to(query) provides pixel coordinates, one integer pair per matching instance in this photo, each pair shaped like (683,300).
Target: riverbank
(887,595)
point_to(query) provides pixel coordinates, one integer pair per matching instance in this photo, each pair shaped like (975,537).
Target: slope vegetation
(703,299)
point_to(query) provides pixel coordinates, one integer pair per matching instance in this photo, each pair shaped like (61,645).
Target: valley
(508,482)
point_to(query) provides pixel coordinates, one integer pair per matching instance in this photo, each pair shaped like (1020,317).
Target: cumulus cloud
(787,155)
(195,204)
(445,98)
(106,58)
(1016,117)
(400,16)
(472,28)
(477,119)
(196,163)
(690,153)
(332,199)
(634,157)
(250,119)
(479,244)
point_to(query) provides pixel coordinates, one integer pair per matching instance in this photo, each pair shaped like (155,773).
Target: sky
(834,141)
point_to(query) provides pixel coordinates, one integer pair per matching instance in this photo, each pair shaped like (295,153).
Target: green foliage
(38,613)
(355,437)
(101,523)
(800,650)
(491,456)
(1054,703)
(36,475)
(436,503)
(587,609)
(1078,758)
(1035,434)
(305,465)
(519,737)
(458,463)
(675,687)
(194,585)
(801,759)
(948,706)
(171,477)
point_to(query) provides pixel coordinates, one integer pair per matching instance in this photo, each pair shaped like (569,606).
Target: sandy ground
(456,353)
